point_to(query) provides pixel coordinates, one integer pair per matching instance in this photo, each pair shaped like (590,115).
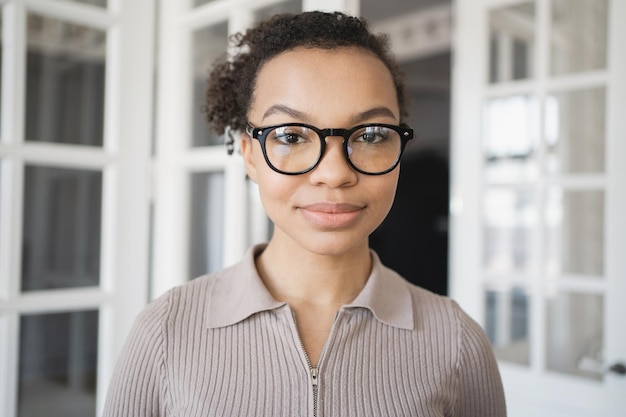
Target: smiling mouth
(332,216)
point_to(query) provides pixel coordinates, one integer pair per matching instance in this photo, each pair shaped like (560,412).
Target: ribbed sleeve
(138,386)
(480,388)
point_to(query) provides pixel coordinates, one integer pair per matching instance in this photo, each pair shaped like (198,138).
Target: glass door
(74,130)
(538,197)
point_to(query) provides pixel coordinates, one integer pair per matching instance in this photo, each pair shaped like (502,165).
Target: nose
(333,169)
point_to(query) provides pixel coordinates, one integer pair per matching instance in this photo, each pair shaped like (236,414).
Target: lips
(332,215)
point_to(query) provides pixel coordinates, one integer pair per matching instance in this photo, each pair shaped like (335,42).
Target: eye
(289,138)
(290,135)
(374,134)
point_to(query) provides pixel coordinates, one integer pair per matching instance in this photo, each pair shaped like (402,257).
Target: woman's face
(332,209)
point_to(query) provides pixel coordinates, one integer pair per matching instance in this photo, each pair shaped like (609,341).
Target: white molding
(566,180)
(586,284)
(206,158)
(60,155)
(7,223)
(171,188)
(112,93)
(236,211)
(12,246)
(221,10)
(559,84)
(615,205)
(51,301)
(126,183)
(351,7)
(206,15)
(13,72)
(465,172)
(9,357)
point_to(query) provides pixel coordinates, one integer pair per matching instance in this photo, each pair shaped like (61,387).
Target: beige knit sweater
(222,346)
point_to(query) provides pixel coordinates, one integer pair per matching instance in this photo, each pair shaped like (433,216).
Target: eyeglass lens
(293,149)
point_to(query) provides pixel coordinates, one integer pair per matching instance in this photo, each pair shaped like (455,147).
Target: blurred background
(113,189)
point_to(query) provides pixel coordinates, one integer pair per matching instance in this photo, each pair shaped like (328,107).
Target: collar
(238,292)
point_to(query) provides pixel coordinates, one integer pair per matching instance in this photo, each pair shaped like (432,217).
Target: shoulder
(440,309)
(187,299)
(440,316)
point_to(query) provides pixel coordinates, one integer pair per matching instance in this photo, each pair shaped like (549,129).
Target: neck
(302,278)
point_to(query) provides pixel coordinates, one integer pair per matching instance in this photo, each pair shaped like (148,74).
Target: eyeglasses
(296,148)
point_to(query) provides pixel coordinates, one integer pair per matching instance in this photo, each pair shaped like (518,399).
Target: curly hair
(232,82)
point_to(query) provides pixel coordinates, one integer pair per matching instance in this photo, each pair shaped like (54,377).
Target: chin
(333,245)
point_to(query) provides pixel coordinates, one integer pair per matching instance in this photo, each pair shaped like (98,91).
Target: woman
(311,323)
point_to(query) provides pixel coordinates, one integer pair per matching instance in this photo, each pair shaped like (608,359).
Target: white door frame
(124,161)
(533,391)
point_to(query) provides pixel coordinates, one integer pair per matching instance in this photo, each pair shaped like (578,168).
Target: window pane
(510,224)
(575,332)
(58,364)
(207,219)
(510,139)
(290,6)
(575,131)
(65,82)
(507,324)
(61,231)
(512,43)
(209,44)
(579,35)
(575,232)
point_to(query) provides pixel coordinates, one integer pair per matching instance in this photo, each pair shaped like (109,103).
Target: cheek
(387,190)
(387,203)
(274,188)
(262,172)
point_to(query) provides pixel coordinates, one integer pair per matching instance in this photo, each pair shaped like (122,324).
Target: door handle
(618,368)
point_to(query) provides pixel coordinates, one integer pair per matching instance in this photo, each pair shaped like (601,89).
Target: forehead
(323,84)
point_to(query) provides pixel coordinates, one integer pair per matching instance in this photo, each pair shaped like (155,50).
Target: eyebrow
(371,113)
(356,119)
(281,108)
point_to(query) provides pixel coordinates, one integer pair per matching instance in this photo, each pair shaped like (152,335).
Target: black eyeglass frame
(260,134)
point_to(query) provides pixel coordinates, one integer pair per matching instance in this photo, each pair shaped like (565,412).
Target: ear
(248,156)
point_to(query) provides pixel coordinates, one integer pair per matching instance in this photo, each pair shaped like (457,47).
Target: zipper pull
(314,376)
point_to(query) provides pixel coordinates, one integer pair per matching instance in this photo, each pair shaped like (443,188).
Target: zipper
(314,371)
(315,393)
